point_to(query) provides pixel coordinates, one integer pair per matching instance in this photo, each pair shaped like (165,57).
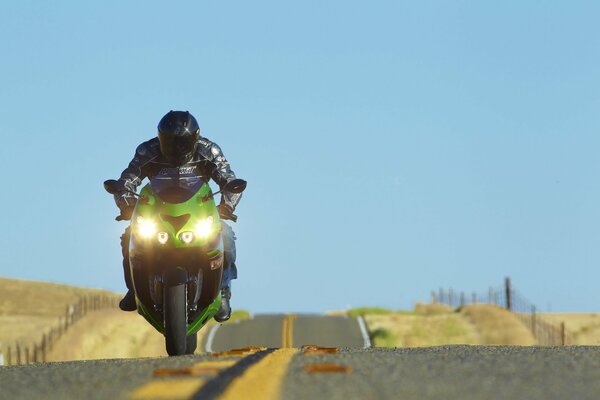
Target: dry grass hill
(30,309)
(583,327)
(436,324)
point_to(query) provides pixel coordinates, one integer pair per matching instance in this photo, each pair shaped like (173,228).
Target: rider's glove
(126,204)
(126,201)
(126,213)
(225,211)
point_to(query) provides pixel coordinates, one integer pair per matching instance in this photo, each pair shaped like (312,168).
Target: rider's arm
(223,174)
(133,175)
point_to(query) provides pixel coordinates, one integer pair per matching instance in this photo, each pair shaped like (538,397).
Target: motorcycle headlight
(186,237)
(204,227)
(163,237)
(146,228)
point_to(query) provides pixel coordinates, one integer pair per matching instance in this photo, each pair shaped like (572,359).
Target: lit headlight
(186,237)
(163,237)
(146,227)
(204,227)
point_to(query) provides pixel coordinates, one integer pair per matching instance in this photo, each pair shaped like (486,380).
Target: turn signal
(216,262)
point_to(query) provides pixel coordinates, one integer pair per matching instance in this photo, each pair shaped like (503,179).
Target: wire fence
(20,353)
(506,296)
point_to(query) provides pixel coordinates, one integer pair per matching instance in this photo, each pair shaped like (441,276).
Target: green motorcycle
(176,253)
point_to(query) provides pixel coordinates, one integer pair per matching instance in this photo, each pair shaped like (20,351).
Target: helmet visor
(178,149)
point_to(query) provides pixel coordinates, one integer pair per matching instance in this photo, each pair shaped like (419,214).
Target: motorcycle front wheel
(191,343)
(175,319)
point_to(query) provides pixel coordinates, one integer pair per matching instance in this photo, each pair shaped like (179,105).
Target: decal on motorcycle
(174,171)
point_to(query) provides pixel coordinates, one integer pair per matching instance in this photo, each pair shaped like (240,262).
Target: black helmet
(178,134)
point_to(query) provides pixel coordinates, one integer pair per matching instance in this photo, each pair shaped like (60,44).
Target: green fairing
(196,207)
(194,327)
(205,316)
(199,209)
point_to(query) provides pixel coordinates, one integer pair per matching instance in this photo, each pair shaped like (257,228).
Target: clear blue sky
(390,147)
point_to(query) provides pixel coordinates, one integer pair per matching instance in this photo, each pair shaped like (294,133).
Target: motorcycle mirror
(235,186)
(113,187)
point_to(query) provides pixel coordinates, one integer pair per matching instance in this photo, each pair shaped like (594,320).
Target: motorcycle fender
(174,277)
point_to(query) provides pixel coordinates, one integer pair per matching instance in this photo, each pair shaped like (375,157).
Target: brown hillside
(109,334)
(437,324)
(498,326)
(29,308)
(582,328)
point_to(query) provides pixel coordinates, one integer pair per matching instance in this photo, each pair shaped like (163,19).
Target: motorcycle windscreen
(176,185)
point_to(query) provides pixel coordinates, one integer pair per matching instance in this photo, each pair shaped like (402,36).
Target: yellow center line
(175,389)
(176,386)
(262,381)
(287,331)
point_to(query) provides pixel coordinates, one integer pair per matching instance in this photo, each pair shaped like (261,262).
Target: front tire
(191,343)
(175,319)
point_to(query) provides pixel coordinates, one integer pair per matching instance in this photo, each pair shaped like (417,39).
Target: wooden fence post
(67,318)
(18,354)
(44,346)
(8,356)
(508,291)
(563,334)
(26,349)
(77,310)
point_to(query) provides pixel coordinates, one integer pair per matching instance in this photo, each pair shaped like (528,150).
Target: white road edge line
(211,337)
(363,331)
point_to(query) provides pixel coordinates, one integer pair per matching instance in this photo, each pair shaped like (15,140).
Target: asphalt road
(268,331)
(447,372)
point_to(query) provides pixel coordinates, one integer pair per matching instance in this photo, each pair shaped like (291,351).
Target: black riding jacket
(148,162)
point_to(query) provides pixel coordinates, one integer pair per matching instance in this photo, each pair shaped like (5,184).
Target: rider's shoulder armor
(148,149)
(209,150)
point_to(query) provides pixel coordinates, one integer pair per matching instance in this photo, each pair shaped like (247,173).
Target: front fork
(174,277)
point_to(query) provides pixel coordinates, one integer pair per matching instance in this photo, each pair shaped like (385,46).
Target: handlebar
(231,217)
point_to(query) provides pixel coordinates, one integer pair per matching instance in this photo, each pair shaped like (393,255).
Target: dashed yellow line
(287,331)
(175,389)
(180,387)
(262,381)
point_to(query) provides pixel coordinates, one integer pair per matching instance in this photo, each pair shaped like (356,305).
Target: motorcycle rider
(179,145)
